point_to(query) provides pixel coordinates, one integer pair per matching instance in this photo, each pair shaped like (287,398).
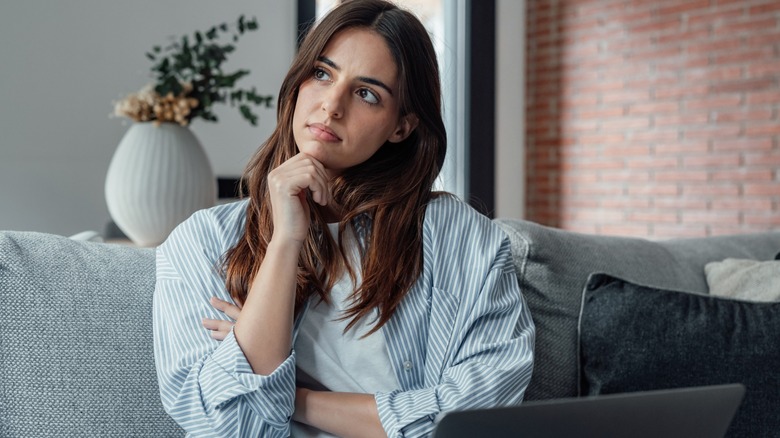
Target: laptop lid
(702,412)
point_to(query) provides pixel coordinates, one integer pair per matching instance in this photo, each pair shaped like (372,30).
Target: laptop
(700,412)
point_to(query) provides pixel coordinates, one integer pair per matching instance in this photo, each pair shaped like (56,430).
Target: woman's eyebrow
(372,81)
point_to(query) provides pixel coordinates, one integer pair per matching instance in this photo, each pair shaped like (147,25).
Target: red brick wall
(654,118)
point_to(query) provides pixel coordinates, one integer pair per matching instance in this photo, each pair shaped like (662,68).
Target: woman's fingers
(288,185)
(303,160)
(299,173)
(228,308)
(219,327)
(320,193)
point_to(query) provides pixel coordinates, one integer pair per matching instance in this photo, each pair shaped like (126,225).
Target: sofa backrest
(553,266)
(76,352)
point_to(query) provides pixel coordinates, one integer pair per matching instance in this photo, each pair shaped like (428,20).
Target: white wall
(64,63)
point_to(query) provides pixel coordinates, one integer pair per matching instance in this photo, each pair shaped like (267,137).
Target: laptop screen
(700,412)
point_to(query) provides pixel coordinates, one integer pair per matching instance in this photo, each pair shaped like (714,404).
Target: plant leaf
(197,59)
(248,114)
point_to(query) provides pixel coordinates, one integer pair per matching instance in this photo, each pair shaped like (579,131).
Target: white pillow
(743,279)
(88,236)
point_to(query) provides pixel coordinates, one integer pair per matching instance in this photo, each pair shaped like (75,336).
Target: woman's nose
(333,102)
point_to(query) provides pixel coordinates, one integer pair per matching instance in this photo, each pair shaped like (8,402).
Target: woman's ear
(406,125)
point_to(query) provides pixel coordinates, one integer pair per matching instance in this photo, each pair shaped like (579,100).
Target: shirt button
(408,365)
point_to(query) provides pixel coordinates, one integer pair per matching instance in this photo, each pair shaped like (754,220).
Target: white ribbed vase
(158,177)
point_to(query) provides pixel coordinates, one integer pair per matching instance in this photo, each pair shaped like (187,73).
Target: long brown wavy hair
(392,188)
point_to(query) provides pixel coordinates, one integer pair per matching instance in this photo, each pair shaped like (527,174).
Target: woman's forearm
(263,330)
(339,413)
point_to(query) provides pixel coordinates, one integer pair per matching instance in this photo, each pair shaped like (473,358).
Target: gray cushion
(76,357)
(553,267)
(636,338)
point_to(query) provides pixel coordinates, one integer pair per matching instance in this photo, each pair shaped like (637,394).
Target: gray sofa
(76,353)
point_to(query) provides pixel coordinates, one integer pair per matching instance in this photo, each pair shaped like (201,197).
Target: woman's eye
(321,75)
(368,96)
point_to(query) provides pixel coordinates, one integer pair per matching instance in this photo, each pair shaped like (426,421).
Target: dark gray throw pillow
(553,266)
(636,338)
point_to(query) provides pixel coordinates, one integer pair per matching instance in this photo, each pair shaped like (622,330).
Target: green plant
(189,80)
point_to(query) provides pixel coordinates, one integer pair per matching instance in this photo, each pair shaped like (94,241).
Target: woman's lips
(323,133)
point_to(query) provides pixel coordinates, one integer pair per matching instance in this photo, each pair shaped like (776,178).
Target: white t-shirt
(328,358)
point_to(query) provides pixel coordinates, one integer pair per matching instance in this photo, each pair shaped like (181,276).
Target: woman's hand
(219,327)
(288,185)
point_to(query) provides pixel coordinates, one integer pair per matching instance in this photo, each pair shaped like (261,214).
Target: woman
(343,297)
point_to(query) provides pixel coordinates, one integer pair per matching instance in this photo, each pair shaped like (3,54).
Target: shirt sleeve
(489,355)
(208,386)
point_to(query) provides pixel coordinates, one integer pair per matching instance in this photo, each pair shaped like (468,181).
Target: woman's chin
(314,150)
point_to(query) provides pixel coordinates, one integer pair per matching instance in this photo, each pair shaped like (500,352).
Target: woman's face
(348,108)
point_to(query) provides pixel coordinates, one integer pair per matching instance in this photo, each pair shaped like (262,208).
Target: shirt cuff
(399,409)
(227,374)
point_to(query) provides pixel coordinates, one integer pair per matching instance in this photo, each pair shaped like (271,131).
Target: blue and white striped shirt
(461,338)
